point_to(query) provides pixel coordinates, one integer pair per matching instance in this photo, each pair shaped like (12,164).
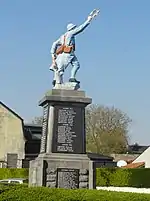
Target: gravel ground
(125,189)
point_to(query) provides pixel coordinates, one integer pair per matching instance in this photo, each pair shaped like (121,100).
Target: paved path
(125,189)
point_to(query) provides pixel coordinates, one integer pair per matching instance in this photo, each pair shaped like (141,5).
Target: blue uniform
(64,59)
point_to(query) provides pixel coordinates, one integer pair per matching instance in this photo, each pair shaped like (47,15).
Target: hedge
(23,193)
(104,176)
(120,177)
(6,173)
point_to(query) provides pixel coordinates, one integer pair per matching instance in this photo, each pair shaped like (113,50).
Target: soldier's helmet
(71,26)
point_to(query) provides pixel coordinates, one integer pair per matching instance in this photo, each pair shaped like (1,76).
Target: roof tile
(134,165)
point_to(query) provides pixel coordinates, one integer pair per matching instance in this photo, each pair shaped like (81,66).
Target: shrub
(23,193)
(103,176)
(140,178)
(6,173)
(123,177)
(7,187)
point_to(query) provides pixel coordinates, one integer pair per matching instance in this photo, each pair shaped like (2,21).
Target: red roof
(134,165)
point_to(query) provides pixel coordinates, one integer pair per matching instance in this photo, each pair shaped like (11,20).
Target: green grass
(23,193)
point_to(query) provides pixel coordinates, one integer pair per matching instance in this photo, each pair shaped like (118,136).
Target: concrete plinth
(63,162)
(62,171)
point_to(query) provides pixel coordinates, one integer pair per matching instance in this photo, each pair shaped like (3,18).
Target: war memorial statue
(63,52)
(63,161)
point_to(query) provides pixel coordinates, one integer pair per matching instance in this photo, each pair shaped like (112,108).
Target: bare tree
(107,129)
(38,120)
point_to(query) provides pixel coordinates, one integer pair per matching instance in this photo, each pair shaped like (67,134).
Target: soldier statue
(63,51)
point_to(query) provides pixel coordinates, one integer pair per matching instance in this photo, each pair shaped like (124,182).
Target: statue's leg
(62,63)
(75,67)
(58,77)
(58,73)
(61,73)
(54,78)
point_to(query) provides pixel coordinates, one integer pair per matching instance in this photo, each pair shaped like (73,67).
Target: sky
(114,54)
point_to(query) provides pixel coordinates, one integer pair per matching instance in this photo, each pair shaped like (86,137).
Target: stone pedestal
(62,162)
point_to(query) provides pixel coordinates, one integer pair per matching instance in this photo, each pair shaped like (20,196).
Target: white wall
(144,157)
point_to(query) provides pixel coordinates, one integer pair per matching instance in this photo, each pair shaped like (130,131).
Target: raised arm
(81,28)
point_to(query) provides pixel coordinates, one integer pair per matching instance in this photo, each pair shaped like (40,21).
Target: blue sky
(114,53)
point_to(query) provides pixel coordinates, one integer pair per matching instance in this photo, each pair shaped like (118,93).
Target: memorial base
(62,162)
(69,171)
(64,122)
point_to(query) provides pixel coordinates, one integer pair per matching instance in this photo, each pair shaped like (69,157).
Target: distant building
(133,152)
(144,158)
(136,149)
(125,157)
(32,133)
(19,143)
(11,138)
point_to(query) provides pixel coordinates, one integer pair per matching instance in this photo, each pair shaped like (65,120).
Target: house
(11,138)
(19,142)
(144,157)
(136,149)
(142,160)
(133,152)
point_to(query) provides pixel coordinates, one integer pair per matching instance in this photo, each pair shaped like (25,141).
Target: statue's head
(71,26)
